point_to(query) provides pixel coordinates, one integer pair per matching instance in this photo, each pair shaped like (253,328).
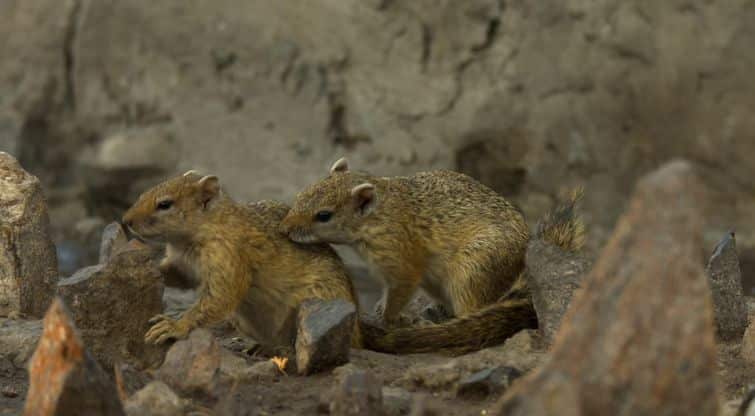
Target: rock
(340,373)
(639,338)
(490,381)
(323,338)
(193,365)
(748,344)
(261,371)
(726,285)
(424,405)
(396,401)
(64,378)
(236,403)
(129,380)
(112,304)
(360,393)
(113,239)
(28,263)
(520,351)
(554,274)
(155,399)
(18,339)
(438,376)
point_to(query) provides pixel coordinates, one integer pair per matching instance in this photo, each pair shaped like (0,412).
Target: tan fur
(246,269)
(442,231)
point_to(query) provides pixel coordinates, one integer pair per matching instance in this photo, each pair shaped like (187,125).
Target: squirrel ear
(191,172)
(210,186)
(341,165)
(364,197)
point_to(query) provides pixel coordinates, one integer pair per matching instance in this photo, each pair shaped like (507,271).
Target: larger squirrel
(247,270)
(443,231)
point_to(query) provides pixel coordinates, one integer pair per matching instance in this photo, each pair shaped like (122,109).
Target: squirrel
(443,231)
(245,267)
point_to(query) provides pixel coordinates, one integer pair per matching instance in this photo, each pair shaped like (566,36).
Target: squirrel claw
(166,329)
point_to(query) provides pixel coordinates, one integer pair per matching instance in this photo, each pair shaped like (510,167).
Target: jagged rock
(64,378)
(18,339)
(726,285)
(28,263)
(155,399)
(112,304)
(193,365)
(113,239)
(396,401)
(488,382)
(360,393)
(554,275)
(639,338)
(324,333)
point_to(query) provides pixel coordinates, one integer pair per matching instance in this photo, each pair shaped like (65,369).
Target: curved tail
(493,324)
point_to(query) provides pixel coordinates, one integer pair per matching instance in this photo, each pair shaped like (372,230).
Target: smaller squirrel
(245,268)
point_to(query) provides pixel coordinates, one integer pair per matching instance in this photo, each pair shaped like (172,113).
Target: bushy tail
(484,328)
(493,324)
(562,226)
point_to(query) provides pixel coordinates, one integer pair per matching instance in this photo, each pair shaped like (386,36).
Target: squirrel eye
(164,205)
(323,216)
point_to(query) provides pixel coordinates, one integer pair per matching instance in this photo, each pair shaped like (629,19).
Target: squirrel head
(172,210)
(332,210)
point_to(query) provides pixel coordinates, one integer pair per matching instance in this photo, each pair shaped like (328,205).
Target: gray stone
(426,405)
(726,285)
(360,393)
(112,304)
(155,399)
(18,339)
(193,365)
(28,263)
(554,274)
(323,339)
(113,239)
(396,401)
(490,381)
(261,371)
(63,378)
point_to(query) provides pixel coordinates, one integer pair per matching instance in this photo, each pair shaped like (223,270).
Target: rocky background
(101,98)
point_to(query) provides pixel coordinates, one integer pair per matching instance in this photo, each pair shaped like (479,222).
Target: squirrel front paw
(165,328)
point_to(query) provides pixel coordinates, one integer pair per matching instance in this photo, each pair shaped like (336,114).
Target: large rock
(639,339)
(28,264)
(112,304)
(554,274)
(726,285)
(64,378)
(323,338)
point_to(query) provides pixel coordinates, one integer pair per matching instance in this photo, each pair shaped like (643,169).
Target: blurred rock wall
(100,98)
